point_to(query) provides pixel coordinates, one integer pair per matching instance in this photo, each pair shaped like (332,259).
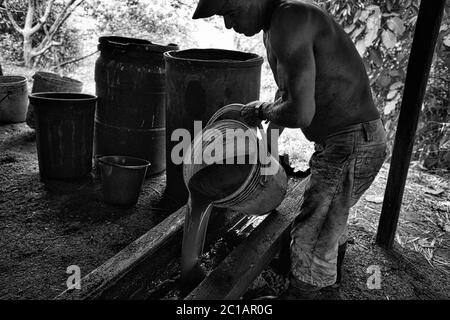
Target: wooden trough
(130,273)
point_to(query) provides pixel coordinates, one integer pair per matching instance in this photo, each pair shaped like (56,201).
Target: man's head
(244,16)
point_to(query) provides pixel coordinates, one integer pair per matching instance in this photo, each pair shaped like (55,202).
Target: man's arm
(273,126)
(291,40)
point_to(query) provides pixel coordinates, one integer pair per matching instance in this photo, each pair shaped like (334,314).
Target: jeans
(342,169)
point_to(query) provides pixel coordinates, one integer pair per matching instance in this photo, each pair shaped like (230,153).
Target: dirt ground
(404,275)
(46,227)
(419,265)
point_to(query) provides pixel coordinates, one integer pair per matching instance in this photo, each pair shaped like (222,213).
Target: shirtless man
(324,90)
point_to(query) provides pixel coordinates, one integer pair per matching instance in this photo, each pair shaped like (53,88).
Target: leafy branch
(33,23)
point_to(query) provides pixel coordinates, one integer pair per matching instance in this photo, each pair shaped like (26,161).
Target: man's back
(342,91)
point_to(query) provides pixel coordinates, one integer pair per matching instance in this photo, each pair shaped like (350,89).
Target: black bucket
(51,82)
(200,82)
(122,179)
(64,133)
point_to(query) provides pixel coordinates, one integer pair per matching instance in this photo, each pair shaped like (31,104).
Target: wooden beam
(421,57)
(233,276)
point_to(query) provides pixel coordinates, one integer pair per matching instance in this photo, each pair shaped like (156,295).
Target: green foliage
(383,32)
(160,21)
(11,41)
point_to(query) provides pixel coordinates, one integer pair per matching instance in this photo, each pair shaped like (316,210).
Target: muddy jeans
(342,169)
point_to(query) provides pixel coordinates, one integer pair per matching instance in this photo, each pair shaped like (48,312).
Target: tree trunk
(27,50)
(29,30)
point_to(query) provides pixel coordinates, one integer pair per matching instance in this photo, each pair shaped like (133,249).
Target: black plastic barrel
(130,85)
(64,134)
(200,82)
(51,82)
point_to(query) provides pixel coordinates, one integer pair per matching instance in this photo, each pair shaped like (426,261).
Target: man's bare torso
(342,91)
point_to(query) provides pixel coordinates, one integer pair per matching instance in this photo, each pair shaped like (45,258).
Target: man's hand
(249,113)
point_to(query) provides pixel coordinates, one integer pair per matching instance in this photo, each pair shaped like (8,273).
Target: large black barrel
(130,85)
(200,82)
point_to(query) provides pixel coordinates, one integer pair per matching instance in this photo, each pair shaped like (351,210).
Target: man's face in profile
(243,16)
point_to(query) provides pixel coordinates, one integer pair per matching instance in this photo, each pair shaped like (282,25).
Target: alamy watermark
(374,280)
(226,146)
(74,280)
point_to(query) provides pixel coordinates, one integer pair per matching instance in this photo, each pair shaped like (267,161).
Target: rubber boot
(282,263)
(340,260)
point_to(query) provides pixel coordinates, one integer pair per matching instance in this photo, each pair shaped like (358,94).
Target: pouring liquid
(210,184)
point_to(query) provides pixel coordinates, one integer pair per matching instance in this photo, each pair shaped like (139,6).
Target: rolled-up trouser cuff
(312,281)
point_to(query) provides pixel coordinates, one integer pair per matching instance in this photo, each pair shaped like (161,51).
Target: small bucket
(122,179)
(13,99)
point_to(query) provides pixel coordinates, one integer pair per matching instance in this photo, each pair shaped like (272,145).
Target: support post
(421,57)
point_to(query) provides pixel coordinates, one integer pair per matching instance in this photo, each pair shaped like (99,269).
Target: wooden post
(421,57)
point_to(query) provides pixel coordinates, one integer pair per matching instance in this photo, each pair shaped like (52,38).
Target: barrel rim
(253,61)
(105,160)
(54,76)
(20,80)
(134,43)
(102,123)
(59,96)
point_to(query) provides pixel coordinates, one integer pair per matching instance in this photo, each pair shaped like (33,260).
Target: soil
(419,265)
(46,227)
(404,275)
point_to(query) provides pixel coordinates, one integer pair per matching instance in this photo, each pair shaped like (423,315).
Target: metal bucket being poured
(247,179)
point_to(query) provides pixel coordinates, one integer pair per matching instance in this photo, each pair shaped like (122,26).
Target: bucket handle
(8,93)
(102,161)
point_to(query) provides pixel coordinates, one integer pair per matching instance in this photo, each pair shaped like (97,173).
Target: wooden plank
(422,51)
(118,266)
(232,277)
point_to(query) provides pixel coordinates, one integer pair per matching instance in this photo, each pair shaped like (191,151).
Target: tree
(161,21)
(37,18)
